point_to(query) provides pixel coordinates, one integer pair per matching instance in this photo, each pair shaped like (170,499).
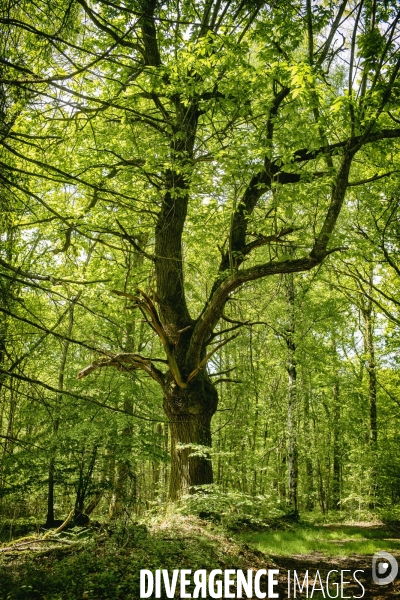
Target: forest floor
(105,563)
(329,547)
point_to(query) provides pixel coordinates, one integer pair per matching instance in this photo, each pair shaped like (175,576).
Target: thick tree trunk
(189,412)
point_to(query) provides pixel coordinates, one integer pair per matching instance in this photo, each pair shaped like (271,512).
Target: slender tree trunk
(371,369)
(310,484)
(189,412)
(50,494)
(157,469)
(309,465)
(282,472)
(94,502)
(165,467)
(7,288)
(293,467)
(335,498)
(256,409)
(80,518)
(8,447)
(367,312)
(6,295)
(80,491)
(322,493)
(3,342)
(124,472)
(56,417)
(123,469)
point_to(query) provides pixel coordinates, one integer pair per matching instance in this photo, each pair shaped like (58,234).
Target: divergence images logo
(384,568)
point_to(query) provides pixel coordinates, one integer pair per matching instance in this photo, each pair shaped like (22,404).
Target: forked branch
(146,304)
(125,362)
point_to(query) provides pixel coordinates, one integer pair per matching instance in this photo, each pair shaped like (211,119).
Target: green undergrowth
(106,564)
(328,540)
(235,511)
(103,563)
(14,528)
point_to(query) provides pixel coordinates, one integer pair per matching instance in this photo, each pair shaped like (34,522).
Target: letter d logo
(384,568)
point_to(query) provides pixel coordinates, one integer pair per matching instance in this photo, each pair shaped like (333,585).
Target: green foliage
(242,123)
(235,510)
(107,566)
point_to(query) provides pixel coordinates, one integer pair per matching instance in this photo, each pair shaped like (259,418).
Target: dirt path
(318,562)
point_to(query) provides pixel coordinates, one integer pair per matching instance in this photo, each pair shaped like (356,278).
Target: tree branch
(64,392)
(51,278)
(125,362)
(324,50)
(156,324)
(370,179)
(118,39)
(257,186)
(264,240)
(224,287)
(133,243)
(203,362)
(305,155)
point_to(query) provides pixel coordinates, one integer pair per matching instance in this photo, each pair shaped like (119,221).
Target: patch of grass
(334,540)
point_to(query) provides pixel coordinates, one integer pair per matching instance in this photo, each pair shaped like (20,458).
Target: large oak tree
(221,130)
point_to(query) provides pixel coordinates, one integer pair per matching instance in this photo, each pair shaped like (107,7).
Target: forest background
(199,216)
